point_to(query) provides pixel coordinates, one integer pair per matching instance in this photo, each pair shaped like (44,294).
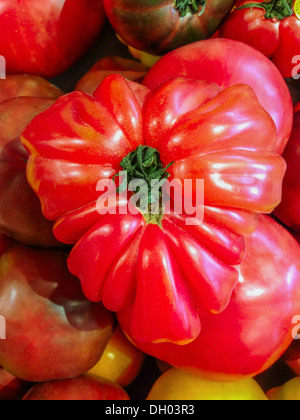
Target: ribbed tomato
(169,268)
(257,326)
(226,63)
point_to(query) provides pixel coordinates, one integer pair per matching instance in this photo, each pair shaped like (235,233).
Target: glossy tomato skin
(178,385)
(226,63)
(256,328)
(288,210)
(275,38)
(83,388)
(157,27)
(180,267)
(121,361)
(52,331)
(45,37)
(130,69)
(22,97)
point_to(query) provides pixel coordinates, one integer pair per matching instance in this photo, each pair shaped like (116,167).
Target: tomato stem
(186,7)
(144,164)
(275,9)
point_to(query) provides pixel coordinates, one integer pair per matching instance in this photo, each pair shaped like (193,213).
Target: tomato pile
(150,210)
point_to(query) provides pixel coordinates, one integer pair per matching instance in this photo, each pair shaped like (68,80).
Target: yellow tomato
(288,392)
(121,362)
(145,58)
(178,385)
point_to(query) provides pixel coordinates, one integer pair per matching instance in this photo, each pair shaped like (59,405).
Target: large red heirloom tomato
(22,97)
(289,209)
(169,269)
(159,26)
(226,63)
(45,37)
(257,326)
(272,27)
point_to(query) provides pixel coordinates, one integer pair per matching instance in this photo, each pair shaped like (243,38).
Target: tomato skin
(277,39)
(5,243)
(82,139)
(226,63)
(288,210)
(44,37)
(11,388)
(22,97)
(52,331)
(256,328)
(297,107)
(178,385)
(288,392)
(121,361)
(154,26)
(25,85)
(83,388)
(130,69)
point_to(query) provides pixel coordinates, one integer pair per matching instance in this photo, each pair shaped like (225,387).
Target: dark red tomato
(157,260)
(272,27)
(45,37)
(256,328)
(226,63)
(130,69)
(11,388)
(288,210)
(5,243)
(159,26)
(52,330)
(294,88)
(21,99)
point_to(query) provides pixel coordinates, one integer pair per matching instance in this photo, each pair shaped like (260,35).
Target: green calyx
(144,164)
(186,7)
(275,9)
